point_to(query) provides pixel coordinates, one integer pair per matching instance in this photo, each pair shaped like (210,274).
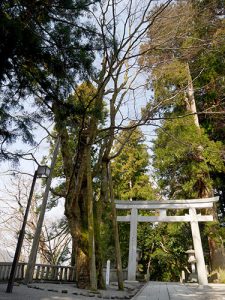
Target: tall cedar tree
(184,155)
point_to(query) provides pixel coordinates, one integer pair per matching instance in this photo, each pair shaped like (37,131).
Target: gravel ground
(51,291)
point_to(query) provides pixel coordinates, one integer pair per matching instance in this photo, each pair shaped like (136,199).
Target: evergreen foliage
(130,167)
(184,157)
(45,47)
(200,50)
(163,250)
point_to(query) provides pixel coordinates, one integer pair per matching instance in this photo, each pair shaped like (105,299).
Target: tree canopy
(46,46)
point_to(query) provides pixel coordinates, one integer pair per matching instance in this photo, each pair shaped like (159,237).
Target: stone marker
(107,275)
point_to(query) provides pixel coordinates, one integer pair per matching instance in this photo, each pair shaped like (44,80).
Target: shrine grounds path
(177,291)
(150,291)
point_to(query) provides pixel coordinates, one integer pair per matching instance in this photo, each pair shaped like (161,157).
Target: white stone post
(107,274)
(200,262)
(132,262)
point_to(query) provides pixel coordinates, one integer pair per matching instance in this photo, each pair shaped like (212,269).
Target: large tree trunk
(74,174)
(116,232)
(76,212)
(91,235)
(99,208)
(80,245)
(98,248)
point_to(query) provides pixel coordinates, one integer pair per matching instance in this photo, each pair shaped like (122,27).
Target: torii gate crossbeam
(161,208)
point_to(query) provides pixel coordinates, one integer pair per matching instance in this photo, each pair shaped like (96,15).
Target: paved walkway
(178,291)
(151,291)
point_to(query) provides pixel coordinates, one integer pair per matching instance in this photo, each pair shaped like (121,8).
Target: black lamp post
(42,171)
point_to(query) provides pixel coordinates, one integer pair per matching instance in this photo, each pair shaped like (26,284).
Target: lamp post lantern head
(43,171)
(191,256)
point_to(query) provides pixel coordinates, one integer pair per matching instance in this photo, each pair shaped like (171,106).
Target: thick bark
(74,174)
(99,208)
(116,232)
(91,236)
(98,248)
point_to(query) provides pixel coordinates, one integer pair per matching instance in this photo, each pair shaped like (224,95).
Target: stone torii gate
(160,208)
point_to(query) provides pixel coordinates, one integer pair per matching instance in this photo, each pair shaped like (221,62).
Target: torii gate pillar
(132,260)
(200,261)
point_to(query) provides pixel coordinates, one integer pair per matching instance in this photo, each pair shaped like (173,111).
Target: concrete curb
(140,291)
